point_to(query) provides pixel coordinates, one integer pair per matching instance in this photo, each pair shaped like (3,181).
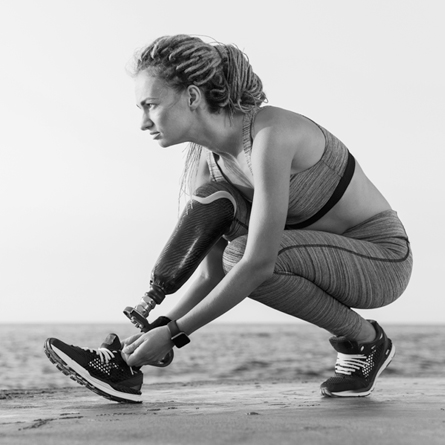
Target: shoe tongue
(112,343)
(341,344)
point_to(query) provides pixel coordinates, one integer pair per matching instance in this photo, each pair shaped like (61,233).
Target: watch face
(180,340)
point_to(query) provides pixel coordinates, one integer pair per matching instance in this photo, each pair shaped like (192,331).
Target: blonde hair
(222,72)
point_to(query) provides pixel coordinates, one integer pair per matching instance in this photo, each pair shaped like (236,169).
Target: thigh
(359,273)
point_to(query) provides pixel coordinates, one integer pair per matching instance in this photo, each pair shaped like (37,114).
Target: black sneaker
(102,370)
(358,366)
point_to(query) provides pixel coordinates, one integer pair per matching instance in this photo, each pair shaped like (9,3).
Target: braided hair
(222,72)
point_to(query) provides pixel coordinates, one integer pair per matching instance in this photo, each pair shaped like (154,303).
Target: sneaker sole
(326,392)
(80,375)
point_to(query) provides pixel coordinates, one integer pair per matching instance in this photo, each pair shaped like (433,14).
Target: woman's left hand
(149,348)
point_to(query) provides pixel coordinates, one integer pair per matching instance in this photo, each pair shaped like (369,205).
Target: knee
(234,252)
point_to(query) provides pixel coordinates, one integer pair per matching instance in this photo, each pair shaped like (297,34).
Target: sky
(88,200)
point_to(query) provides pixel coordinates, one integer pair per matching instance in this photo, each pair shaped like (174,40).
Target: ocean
(269,352)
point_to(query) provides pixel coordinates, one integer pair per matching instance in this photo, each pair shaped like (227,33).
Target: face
(165,113)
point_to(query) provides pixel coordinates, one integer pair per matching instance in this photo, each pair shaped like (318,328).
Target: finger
(126,357)
(129,349)
(136,358)
(132,361)
(130,340)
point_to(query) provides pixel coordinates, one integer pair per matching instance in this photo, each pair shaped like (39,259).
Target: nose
(146,123)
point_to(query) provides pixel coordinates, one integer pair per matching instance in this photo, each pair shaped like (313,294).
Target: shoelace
(105,355)
(349,363)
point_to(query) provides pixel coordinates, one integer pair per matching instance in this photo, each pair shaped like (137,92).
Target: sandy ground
(400,411)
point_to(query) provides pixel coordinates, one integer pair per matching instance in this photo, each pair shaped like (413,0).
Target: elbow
(267,270)
(261,270)
(211,279)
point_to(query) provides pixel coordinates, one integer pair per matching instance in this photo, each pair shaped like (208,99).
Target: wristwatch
(178,337)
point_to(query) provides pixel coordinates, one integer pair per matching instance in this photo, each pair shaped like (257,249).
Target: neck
(219,133)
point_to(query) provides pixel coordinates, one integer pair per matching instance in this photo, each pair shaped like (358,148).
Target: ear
(194,97)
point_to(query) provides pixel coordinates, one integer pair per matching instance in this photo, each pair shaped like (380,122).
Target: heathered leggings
(320,276)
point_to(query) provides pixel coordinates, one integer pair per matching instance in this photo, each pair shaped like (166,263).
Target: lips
(155,134)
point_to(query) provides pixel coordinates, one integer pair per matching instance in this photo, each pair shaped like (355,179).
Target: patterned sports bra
(312,192)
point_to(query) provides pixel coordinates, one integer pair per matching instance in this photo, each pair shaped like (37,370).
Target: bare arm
(271,163)
(210,270)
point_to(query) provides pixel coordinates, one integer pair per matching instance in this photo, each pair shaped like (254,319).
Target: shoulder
(290,134)
(281,125)
(275,117)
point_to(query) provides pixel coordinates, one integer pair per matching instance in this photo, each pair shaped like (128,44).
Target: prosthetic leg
(207,217)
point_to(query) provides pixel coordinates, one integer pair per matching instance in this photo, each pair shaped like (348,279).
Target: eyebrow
(143,101)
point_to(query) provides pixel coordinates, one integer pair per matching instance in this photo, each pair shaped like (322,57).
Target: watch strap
(178,337)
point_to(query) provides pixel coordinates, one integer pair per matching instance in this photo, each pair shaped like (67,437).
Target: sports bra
(312,192)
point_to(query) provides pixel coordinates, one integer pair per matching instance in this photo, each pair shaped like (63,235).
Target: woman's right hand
(130,340)
(160,321)
(150,348)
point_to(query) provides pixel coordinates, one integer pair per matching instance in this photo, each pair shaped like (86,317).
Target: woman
(309,234)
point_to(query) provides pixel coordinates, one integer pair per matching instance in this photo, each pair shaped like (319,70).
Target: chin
(167,144)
